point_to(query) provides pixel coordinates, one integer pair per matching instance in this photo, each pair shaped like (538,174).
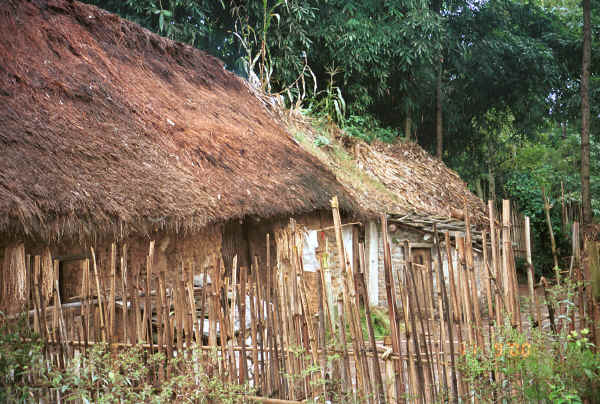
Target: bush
(542,367)
(104,376)
(21,362)
(128,376)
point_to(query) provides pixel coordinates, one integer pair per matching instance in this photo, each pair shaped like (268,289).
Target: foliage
(329,103)
(541,367)
(367,128)
(380,321)
(547,161)
(104,376)
(20,355)
(107,377)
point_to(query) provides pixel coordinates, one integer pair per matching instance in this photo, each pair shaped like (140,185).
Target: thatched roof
(427,186)
(400,179)
(106,128)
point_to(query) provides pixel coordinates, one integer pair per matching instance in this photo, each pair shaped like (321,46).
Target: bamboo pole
(530,277)
(447,307)
(85,313)
(393,310)
(346,379)
(125,293)
(179,305)
(136,308)
(57,328)
(191,312)
(260,304)
(471,275)
(99,294)
(162,322)
(148,334)
(464,289)
(242,317)
(113,291)
(409,332)
(205,291)
(495,260)
(551,231)
(62,324)
(411,290)
(362,383)
(506,266)
(425,310)
(488,281)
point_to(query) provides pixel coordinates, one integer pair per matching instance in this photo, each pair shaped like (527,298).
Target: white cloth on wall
(309,255)
(347,240)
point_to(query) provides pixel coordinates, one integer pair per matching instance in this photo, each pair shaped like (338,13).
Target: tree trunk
(438,114)
(491,173)
(439,135)
(407,127)
(479,188)
(585,117)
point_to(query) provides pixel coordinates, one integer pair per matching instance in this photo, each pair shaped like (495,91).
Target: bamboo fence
(263,330)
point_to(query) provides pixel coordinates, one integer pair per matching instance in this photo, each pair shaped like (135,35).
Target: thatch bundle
(47,276)
(13,280)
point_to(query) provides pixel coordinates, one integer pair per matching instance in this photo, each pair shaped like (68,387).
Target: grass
(339,160)
(380,320)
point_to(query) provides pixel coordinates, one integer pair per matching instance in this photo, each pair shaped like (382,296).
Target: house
(125,150)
